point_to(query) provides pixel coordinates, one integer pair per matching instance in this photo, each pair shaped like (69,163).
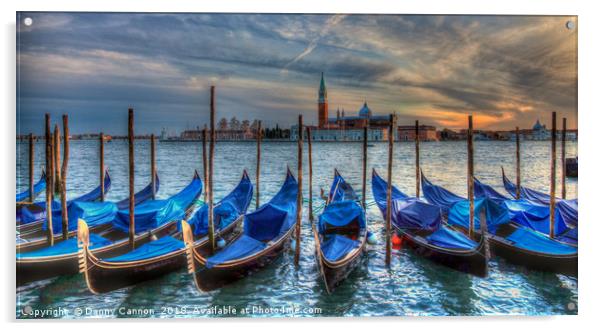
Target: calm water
(411,286)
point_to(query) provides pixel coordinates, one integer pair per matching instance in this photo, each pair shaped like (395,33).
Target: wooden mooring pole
(364,166)
(101,165)
(300,190)
(49,180)
(65,166)
(153,165)
(417,147)
(563,157)
(310,165)
(210,175)
(31,161)
(391,137)
(517,163)
(132,232)
(553,177)
(470,177)
(205,172)
(258,168)
(57,159)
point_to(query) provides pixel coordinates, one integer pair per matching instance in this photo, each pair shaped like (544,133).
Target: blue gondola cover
(149,250)
(243,246)
(570,237)
(533,216)
(496,215)
(534,241)
(269,222)
(336,247)
(27,216)
(94,213)
(438,195)
(567,208)
(275,217)
(415,214)
(154,213)
(340,190)
(68,246)
(485,191)
(226,211)
(412,213)
(37,188)
(338,214)
(447,238)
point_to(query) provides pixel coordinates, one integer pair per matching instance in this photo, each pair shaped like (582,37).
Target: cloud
(507,70)
(330,22)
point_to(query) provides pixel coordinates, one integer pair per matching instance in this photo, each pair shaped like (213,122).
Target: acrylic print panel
(199,116)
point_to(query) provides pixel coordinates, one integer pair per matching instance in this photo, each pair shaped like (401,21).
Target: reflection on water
(411,286)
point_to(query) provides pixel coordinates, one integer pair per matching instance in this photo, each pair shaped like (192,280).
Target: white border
(589,128)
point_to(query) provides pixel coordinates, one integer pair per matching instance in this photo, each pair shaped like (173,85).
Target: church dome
(365,111)
(537,126)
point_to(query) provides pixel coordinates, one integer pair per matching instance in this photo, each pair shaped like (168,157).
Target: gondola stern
(83,241)
(84,255)
(189,242)
(484,247)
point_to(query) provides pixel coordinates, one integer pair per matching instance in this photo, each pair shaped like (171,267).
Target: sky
(506,71)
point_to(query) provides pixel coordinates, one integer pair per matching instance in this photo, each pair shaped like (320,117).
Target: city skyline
(505,70)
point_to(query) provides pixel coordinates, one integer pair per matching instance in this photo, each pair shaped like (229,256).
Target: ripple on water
(411,286)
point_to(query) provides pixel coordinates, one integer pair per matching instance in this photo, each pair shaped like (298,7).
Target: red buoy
(397,241)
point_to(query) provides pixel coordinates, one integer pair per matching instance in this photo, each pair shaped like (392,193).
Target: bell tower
(322,105)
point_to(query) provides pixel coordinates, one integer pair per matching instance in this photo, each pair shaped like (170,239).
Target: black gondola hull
(334,276)
(209,279)
(34,269)
(475,262)
(102,280)
(102,277)
(561,264)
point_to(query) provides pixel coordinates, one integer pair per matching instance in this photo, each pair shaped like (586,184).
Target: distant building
(447,134)
(539,132)
(322,104)
(317,134)
(408,133)
(351,128)
(222,135)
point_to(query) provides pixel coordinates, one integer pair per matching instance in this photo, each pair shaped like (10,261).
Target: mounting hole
(27,21)
(570,25)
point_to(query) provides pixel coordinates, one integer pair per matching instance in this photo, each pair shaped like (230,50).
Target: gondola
(515,243)
(266,234)
(153,219)
(98,214)
(531,215)
(340,236)
(159,257)
(568,208)
(571,167)
(423,229)
(37,189)
(32,217)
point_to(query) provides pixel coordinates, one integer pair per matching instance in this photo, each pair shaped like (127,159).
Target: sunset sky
(505,70)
